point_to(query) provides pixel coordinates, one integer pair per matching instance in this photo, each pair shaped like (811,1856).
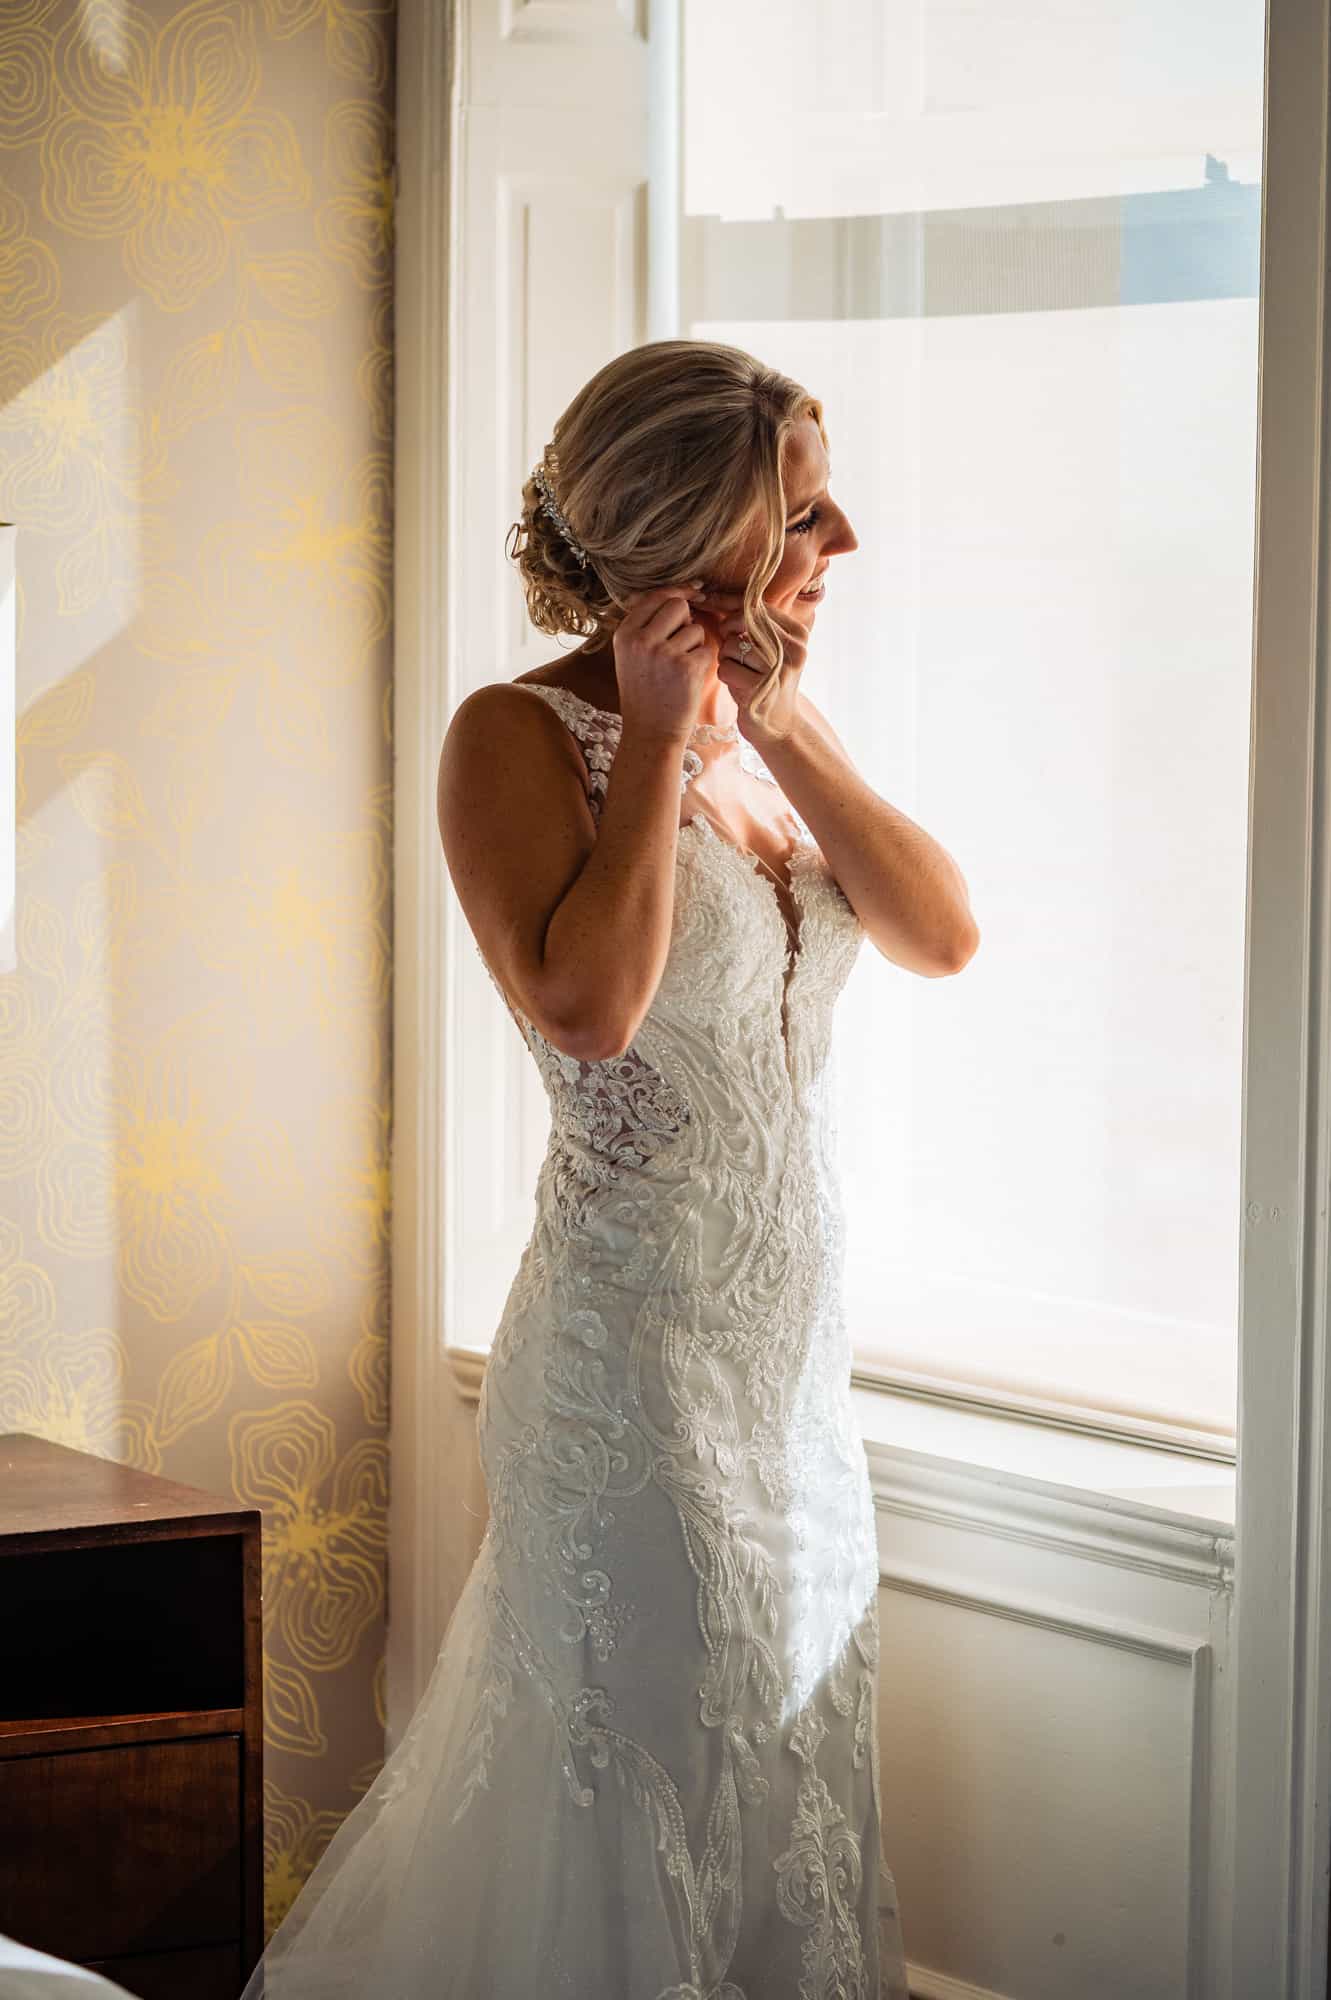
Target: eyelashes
(803,527)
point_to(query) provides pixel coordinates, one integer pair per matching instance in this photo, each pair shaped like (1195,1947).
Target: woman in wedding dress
(646,1763)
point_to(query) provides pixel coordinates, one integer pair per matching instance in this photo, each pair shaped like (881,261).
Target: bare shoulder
(502,730)
(507,757)
(497,706)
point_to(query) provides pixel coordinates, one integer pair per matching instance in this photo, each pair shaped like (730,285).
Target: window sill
(1140,1480)
(1140,1477)
(1151,1477)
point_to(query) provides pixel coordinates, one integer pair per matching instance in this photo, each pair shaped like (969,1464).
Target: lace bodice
(734,978)
(715,1129)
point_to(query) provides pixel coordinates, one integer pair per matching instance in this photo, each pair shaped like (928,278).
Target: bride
(646,1765)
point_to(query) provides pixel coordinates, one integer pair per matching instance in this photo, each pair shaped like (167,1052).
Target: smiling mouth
(814,592)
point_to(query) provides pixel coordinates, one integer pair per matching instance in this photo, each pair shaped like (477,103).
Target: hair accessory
(551,506)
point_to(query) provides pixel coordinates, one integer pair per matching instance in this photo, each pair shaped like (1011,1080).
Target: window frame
(455,64)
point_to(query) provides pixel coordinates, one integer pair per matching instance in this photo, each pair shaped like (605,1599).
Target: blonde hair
(659,465)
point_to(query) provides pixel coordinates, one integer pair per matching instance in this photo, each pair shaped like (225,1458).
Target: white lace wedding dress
(645,1766)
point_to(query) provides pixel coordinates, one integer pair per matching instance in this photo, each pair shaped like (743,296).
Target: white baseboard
(926,1985)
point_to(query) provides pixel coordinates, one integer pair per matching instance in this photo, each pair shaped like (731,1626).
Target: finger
(692,640)
(741,688)
(749,666)
(687,636)
(665,610)
(644,604)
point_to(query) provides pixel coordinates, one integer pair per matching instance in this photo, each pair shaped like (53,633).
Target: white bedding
(26,1974)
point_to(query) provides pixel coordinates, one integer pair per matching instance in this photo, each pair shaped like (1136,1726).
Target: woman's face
(816,528)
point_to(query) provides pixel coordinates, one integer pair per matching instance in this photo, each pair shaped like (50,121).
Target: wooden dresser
(131,1736)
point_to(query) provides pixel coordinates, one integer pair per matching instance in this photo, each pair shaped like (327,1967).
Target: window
(1016,254)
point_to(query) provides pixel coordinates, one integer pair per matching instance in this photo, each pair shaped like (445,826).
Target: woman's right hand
(664,656)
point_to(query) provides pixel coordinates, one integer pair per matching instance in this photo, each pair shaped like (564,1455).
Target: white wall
(1053,1718)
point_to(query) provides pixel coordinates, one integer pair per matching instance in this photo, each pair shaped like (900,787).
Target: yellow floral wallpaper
(196,245)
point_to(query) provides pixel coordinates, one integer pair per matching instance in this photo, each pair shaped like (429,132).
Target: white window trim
(1282,1638)
(991,1436)
(1282,1641)
(1037,1414)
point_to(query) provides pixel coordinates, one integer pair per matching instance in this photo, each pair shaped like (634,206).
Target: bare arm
(574,923)
(574,920)
(902,884)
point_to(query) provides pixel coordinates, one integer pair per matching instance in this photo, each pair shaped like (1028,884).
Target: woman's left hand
(744,674)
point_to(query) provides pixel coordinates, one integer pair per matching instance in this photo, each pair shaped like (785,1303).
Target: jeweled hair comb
(550,506)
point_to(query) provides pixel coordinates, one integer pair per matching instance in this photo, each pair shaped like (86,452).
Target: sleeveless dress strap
(597,732)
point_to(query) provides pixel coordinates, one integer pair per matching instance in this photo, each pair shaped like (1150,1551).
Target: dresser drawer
(211,1974)
(116,1852)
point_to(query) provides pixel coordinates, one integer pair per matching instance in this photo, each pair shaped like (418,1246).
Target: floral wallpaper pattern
(196,245)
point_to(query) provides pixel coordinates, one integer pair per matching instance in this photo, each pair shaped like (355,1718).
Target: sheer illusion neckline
(760,863)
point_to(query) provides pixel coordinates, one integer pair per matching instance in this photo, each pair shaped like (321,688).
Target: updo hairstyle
(660,466)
